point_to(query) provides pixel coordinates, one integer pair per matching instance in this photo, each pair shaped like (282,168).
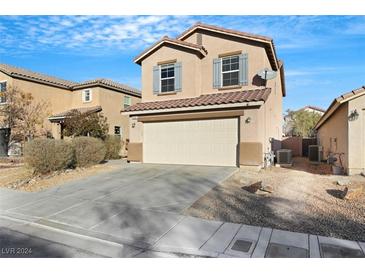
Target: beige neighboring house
(342,130)
(63,96)
(203,102)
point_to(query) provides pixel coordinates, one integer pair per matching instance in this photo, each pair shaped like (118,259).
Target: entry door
(199,142)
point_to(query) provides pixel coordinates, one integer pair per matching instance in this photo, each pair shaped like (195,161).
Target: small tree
(22,115)
(303,122)
(86,124)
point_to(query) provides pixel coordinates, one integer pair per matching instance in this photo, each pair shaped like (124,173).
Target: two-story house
(63,96)
(204,100)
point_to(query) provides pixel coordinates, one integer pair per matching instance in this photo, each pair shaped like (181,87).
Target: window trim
(120,132)
(4,81)
(230,71)
(167,78)
(84,96)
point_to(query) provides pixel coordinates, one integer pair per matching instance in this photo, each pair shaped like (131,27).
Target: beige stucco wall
(190,73)
(217,44)
(356,136)
(335,127)
(57,99)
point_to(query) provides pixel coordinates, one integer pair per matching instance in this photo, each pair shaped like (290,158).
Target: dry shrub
(88,151)
(47,155)
(113,146)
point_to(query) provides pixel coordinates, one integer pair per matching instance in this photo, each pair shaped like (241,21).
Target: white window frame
(129,101)
(84,95)
(4,81)
(167,78)
(230,71)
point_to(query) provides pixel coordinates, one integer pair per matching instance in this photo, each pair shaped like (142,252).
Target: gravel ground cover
(18,177)
(305,198)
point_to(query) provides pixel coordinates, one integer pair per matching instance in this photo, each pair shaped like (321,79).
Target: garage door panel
(198,142)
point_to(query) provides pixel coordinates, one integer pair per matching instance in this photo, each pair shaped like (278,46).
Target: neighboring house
(63,96)
(342,130)
(288,125)
(203,102)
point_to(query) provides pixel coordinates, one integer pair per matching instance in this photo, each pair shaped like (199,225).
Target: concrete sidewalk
(189,237)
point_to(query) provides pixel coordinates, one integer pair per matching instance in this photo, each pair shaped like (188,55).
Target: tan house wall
(217,44)
(190,73)
(336,127)
(60,100)
(356,136)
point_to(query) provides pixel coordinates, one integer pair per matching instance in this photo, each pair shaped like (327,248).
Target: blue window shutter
(217,71)
(156,79)
(243,66)
(178,76)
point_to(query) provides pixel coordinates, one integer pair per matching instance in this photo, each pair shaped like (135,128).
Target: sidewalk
(192,237)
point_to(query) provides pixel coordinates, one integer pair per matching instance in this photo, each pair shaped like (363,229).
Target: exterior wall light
(248,120)
(353,115)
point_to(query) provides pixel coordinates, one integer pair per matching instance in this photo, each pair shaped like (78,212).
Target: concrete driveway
(136,204)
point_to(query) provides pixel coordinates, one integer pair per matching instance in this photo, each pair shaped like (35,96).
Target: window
(167,78)
(230,71)
(127,101)
(87,96)
(2,92)
(117,130)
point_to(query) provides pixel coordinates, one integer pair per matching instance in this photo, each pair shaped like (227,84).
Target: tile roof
(108,83)
(313,107)
(220,29)
(169,40)
(70,85)
(222,98)
(337,102)
(268,41)
(24,73)
(82,110)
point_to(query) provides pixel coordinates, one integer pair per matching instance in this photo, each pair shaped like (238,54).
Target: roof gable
(337,102)
(267,41)
(166,40)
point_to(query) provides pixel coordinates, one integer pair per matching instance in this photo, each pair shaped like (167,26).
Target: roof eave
(138,60)
(195,108)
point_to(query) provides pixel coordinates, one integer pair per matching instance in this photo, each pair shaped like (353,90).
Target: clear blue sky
(324,56)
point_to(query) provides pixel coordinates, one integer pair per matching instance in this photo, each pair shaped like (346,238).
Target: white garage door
(198,142)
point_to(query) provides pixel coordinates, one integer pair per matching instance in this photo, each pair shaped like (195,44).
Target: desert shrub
(113,146)
(88,151)
(47,155)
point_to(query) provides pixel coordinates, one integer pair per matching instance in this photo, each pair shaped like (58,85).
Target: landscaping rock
(351,193)
(267,188)
(253,188)
(343,182)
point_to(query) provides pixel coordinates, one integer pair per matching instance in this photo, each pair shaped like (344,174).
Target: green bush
(47,155)
(113,146)
(88,151)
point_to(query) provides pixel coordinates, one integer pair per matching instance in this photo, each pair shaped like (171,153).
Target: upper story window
(117,130)
(87,95)
(127,101)
(167,78)
(230,71)
(3,86)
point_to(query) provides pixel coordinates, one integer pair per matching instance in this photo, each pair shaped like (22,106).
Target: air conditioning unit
(315,154)
(284,156)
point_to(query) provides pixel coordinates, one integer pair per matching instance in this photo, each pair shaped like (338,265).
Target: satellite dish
(267,74)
